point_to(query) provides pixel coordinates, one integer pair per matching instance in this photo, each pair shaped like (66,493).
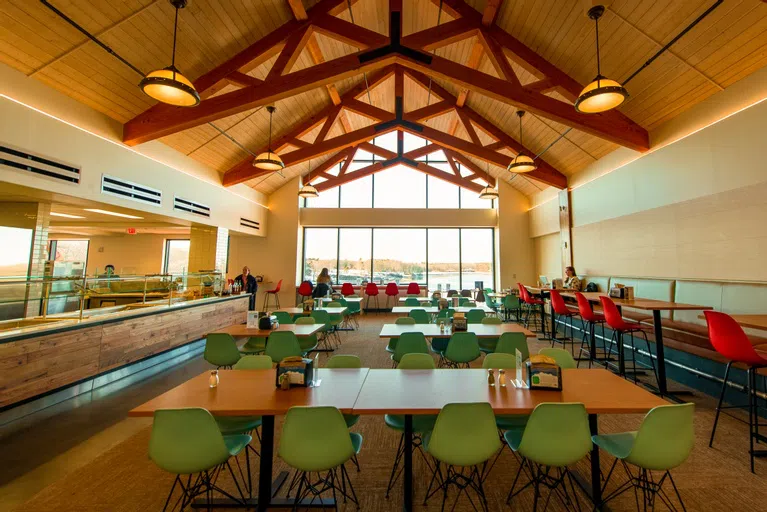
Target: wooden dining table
(656,306)
(347,299)
(331,311)
(254,393)
(417,392)
(242,330)
(432,330)
(433,310)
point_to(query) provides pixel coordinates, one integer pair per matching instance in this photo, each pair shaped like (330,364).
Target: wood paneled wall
(33,366)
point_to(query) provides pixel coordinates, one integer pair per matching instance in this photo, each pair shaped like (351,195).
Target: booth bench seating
(683,330)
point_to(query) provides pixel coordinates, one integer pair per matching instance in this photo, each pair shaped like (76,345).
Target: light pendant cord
(434,52)
(365,74)
(173,57)
(599,67)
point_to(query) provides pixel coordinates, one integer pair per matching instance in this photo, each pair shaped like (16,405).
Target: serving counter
(39,355)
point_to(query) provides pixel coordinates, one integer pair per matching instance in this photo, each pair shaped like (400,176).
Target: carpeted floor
(713,479)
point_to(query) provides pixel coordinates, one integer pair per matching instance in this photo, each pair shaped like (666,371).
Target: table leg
(266,461)
(596,475)
(408,476)
(660,352)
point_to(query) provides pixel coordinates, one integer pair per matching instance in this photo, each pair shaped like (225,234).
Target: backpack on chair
(592,287)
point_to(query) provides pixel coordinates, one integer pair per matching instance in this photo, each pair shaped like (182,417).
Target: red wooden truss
(380,57)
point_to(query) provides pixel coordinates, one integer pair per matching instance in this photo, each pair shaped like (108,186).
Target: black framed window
(176,259)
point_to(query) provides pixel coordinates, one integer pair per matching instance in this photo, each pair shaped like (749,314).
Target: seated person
(571,282)
(324,284)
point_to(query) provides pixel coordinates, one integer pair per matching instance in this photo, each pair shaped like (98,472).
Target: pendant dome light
(308,191)
(269,160)
(522,163)
(168,85)
(602,94)
(489,192)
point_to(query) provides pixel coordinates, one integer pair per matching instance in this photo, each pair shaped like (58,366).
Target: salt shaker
(490,377)
(502,378)
(213,379)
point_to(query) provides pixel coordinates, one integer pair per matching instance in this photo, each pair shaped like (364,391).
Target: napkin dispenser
(268,322)
(459,322)
(299,371)
(543,373)
(622,292)
(308,306)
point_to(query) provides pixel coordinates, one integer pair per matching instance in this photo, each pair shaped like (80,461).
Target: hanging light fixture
(488,193)
(521,162)
(269,160)
(308,191)
(601,94)
(168,85)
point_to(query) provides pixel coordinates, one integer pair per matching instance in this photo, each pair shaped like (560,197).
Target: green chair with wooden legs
(412,301)
(563,357)
(316,440)
(336,319)
(283,317)
(464,439)
(475,316)
(323,317)
(307,343)
(221,350)
(409,343)
(404,320)
(420,316)
(462,349)
(422,424)
(663,442)
(282,344)
(487,345)
(510,342)
(188,442)
(556,436)
(346,361)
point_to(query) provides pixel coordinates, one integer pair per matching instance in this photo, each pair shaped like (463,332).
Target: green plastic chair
(410,343)
(563,358)
(663,442)
(464,436)
(353,307)
(510,342)
(416,362)
(282,344)
(336,319)
(462,301)
(420,316)
(556,436)
(511,304)
(221,350)
(254,363)
(403,320)
(475,316)
(307,343)
(188,442)
(316,440)
(254,345)
(412,301)
(323,317)
(469,304)
(283,317)
(498,361)
(487,345)
(445,313)
(462,349)
(346,361)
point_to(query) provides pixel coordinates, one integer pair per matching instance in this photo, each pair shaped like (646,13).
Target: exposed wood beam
(477,172)
(422,151)
(351,152)
(452,163)
(433,110)
(243,80)
(441,35)
(327,164)
(497,58)
(491,12)
(442,175)
(349,33)
(367,110)
(331,119)
(335,143)
(359,173)
(377,150)
(468,127)
(290,52)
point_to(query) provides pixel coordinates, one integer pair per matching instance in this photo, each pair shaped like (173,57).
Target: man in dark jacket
(248,284)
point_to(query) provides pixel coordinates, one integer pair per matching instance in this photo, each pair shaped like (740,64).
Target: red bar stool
(620,327)
(729,340)
(531,306)
(590,320)
(305,290)
(559,308)
(413,289)
(347,289)
(371,290)
(273,293)
(392,290)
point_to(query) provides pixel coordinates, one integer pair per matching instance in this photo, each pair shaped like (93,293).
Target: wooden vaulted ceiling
(497,38)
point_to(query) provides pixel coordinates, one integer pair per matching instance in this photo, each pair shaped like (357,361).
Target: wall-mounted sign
(131,231)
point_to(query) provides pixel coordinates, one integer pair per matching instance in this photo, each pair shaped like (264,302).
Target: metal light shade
(169,86)
(269,161)
(308,192)
(522,163)
(488,193)
(600,95)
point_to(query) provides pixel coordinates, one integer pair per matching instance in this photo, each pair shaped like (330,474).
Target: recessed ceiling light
(115,214)
(66,215)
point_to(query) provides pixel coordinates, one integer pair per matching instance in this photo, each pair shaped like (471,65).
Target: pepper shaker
(213,379)
(490,377)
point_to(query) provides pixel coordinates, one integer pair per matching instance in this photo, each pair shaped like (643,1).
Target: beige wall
(514,247)
(130,254)
(548,257)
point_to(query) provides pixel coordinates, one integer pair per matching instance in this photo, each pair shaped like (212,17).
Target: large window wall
(446,258)
(398,186)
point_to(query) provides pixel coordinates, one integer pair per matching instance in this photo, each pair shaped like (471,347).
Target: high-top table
(434,309)
(412,392)
(348,299)
(242,330)
(432,330)
(254,393)
(656,306)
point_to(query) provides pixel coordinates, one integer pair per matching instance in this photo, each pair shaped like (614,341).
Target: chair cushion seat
(511,421)
(421,423)
(618,445)
(356,441)
(231,425)
(236,443)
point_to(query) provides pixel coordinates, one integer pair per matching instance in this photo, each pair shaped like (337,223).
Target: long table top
(239,330)
(639,303)
(299,311)
(254,392)
(348,299)
(432,330)
(434,309)
(365,391)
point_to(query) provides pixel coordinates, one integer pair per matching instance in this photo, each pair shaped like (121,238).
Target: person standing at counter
(248,284)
